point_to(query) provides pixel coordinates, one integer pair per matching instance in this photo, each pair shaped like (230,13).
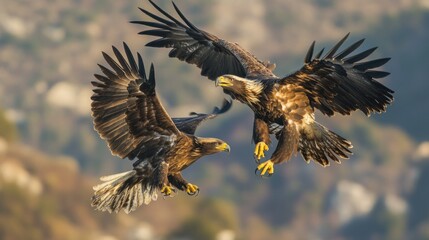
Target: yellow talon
(267,166)
(259,150)
(192,189)
(166,190)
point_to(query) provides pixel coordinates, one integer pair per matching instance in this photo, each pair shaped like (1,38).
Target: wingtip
(151,2)
(126,48)
(334,49)
(175,6)
(141,67)
(143,11)
(114,48)
(226,105)
(105,55)
(309,54)
(152,73)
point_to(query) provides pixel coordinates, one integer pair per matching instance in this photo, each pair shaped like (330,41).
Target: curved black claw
(194,193)
(192,189)
(263,176)
(172,193)
(267,176)
(257,161)
(266,167)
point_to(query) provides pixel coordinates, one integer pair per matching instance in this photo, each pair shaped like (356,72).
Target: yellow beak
(223,147)
(223,82)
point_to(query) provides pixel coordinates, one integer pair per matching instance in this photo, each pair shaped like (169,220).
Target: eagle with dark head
(337,82)
(129,116)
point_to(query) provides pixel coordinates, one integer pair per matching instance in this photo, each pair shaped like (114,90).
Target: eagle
(337,82)
(128,115)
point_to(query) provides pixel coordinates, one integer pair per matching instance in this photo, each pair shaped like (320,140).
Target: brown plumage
(284,106)
(129,116)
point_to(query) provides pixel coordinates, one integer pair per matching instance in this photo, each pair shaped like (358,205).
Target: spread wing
(190,124)
(214,56)
(126,111)
(342,83)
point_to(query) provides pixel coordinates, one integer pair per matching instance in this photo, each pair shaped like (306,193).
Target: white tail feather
(113,179)
(123,191)
(116,176)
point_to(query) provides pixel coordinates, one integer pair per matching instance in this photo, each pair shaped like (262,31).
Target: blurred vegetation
(53,141)
(213,216)
(49,211)
(8,130)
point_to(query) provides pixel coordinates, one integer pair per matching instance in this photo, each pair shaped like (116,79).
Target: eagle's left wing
(190,124)
(342,83)
(215,56)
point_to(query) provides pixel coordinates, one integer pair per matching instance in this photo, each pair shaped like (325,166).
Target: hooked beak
(223,82)
(224,147)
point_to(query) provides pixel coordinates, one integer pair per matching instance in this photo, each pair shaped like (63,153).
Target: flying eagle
(284,106)
(129,116)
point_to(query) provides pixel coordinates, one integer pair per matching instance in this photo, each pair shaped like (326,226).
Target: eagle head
(209,146)
(242,89)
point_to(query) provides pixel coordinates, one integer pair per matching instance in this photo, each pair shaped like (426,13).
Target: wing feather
(126,111)
(214,56)
(190,124)
(342,84)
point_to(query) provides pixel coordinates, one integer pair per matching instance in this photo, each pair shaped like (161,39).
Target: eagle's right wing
(213,55)
(126,111)
(190,124)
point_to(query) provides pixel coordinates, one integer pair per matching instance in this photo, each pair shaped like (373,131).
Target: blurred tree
(379,224)
(210,217)
(8,130)
(418,218)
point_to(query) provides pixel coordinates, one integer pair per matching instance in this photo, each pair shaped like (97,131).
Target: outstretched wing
(214,56)
(126,111)
(342,83)
(190,124)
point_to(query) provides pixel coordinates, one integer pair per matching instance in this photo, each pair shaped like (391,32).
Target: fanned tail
(127,190)
(320,144)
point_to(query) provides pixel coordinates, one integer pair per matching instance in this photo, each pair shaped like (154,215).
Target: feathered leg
(288,145)
(261,137)
(160,179)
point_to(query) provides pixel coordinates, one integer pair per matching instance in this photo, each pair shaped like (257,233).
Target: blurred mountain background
(50,156)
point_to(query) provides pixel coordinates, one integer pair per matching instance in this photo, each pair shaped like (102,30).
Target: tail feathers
(127,190)
(320,144)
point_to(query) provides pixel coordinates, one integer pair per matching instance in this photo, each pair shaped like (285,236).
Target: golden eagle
(284,106)
(129,116)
